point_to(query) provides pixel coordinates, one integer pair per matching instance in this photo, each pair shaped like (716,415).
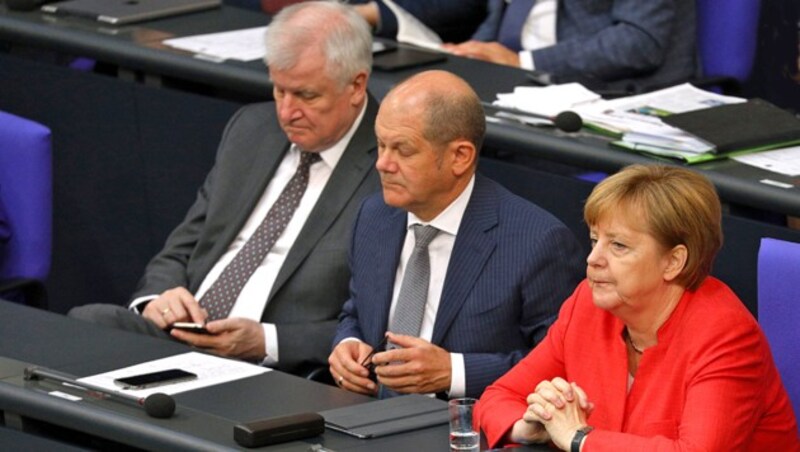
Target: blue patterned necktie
(510,33)
(223,293)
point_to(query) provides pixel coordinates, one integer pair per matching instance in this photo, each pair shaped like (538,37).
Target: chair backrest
(26,194)
(727,32)
(779,308)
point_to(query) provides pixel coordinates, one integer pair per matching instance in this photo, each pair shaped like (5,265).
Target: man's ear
(464,156)
(359,87)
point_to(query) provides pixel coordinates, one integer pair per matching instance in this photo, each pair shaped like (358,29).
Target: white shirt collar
(333,154)
(449,219)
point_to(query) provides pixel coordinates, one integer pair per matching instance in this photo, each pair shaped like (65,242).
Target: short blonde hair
(678,207)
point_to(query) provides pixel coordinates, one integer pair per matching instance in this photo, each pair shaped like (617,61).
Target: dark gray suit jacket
(313,281)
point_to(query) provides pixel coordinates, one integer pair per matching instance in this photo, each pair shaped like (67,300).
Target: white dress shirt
(539,31)
(253,298)
(440,249)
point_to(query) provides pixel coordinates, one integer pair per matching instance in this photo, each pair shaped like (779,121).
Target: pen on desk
(319,448)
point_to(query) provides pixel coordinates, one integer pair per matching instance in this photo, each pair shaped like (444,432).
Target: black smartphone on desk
(153,379)
(405,58)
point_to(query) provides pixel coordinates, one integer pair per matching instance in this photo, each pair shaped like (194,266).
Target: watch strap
(575,445)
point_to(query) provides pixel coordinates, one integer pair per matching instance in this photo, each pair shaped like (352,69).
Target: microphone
(567,121)
(158,405)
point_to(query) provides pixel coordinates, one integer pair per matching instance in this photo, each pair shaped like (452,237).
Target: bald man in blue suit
(500,266)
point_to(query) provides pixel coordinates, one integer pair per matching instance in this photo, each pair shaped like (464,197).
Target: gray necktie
(225,290)
(413,294)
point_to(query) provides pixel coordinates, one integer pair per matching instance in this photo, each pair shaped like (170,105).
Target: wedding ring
(341,380)
(165,311)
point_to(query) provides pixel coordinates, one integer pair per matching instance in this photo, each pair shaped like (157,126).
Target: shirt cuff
(271,344)
(526,60)
(138,304)
(458,379)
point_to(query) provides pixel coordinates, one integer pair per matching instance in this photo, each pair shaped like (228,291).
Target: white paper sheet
(242,45)
(210,370)
(547,100)
(411,31)
(784,161)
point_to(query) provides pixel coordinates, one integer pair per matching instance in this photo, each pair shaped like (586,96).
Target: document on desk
(547,100)
(210,370)
(784,161)
(241,45)
(411,30)
(637,121)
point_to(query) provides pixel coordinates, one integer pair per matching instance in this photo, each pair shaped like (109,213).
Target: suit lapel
(355,164)
(474,244)
(391,233)
(254,169)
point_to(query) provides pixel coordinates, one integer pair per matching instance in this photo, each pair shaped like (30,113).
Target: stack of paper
(547,100)
(657,122)
(636,121)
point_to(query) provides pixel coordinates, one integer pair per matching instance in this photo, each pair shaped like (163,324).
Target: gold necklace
(630,341)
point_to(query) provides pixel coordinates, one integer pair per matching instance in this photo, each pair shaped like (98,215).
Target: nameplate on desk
(388,416)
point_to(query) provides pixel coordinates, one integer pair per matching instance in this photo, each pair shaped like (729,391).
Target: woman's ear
(676,262)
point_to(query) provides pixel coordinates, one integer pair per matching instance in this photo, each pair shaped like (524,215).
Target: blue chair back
(727,35)
(26,195)
(779,308)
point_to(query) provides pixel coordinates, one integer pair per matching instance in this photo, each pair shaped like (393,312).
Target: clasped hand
(556,410)
(417,366)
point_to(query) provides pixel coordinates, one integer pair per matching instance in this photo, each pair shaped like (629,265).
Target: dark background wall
(127,160)
(776,73)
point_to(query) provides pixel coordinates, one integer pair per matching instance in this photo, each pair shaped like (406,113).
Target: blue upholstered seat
(26,197)
(779,308)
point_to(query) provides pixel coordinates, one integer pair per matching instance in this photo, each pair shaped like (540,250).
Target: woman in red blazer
(649,352)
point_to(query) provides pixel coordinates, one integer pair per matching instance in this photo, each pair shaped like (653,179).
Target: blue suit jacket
(620,44)
(452,20)
(512,266)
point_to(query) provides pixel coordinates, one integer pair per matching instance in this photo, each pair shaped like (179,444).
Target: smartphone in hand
(153,379)
(197,328)
(368,360)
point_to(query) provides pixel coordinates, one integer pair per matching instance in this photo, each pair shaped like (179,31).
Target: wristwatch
(575,445)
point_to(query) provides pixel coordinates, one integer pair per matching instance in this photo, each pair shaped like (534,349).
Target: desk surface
(204,418)
(138,47)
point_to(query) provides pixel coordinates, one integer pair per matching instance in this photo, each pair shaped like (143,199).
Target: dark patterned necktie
(510,33)
(223,293)
(413,294)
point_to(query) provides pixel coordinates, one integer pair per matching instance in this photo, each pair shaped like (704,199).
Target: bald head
(448,106)
(429,129)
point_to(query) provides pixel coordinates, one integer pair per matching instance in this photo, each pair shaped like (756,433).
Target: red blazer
(709,384)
